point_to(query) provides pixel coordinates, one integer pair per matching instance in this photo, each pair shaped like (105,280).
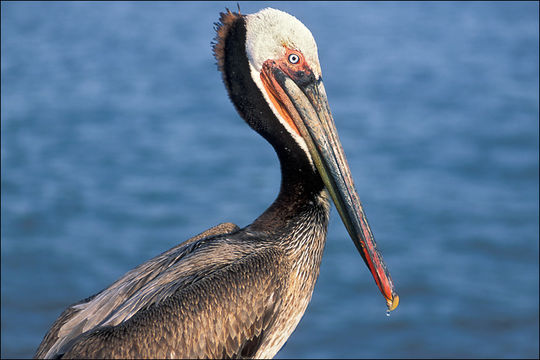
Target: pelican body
(240,292)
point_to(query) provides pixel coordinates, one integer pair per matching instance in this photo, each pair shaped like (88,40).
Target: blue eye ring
(294,58)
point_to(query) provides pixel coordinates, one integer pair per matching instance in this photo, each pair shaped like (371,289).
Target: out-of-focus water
(118,141)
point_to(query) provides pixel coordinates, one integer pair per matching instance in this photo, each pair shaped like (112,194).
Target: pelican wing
(221,315)
(174,282)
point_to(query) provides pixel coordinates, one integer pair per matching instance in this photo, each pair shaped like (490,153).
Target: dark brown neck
(301,183)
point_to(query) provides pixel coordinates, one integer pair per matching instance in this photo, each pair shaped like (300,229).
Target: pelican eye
(293,58)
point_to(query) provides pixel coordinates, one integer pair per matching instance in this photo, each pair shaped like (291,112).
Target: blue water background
(118,141)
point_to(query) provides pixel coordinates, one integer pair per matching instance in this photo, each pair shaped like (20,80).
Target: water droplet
(388,313)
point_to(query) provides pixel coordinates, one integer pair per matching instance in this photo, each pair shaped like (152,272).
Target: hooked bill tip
(392,303)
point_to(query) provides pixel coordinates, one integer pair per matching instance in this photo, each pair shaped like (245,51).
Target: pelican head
(271,69)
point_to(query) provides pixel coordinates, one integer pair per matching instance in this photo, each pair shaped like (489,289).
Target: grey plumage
(90,312)
(220,294)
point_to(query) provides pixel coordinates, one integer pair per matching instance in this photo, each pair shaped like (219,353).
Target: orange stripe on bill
(301,100)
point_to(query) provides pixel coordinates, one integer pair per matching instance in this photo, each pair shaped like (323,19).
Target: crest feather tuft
(222,27)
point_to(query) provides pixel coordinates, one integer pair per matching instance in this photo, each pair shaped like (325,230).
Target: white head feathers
(269,31)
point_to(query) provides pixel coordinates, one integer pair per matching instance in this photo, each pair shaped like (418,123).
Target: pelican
(240,292)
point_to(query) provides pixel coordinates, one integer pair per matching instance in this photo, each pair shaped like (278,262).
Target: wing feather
(224,314)
(89,313)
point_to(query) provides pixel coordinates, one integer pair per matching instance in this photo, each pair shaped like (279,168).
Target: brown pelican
(232,292)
